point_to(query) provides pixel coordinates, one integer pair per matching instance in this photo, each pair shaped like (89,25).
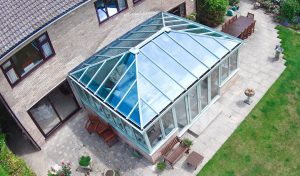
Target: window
(181,114)
(168,122)
(154,134)
(224,70)
(215,83)
(108,8)
(193,97)
(233,62)
(179,10)
(28,58)
(54,109)
(136,1)
(204,93)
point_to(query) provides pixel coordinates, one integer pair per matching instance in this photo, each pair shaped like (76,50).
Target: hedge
(11,164)
(290,9)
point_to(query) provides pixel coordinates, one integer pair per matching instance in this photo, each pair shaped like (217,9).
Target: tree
(211,12)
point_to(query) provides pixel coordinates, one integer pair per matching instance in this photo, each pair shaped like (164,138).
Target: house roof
(20,19)
(144,71)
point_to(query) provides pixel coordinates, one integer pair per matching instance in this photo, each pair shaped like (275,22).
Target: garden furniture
(194,159)
(238,27)
(250,15)
(173,151)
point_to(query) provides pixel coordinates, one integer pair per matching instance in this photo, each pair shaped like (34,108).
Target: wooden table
(237,27)
(194,159)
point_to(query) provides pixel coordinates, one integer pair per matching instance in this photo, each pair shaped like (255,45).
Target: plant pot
(112,173)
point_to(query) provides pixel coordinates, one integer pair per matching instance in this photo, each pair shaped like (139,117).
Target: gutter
(42,28)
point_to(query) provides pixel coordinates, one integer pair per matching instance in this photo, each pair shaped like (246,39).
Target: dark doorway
(54,109)
(17,138)
(179,10)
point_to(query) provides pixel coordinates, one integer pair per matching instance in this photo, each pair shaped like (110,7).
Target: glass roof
(146,69)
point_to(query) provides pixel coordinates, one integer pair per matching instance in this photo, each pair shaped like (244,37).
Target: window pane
(129,101)
(168,122)
(42,38)
(214,83)
(27,58)
(112,7)
(233,62)
(122,4)
(115,75)
(204,92)
(154,134)
(47,50)
(44,114)
(6,65)
(193,102)
(224,70)
(128,130)
(118,122)
(101,10)
(140,139)
(181,114)
(63,100)
(12,76)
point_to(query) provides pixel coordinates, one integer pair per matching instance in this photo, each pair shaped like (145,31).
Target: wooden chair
(92,123)
(173,151)
(250,15)
(234,18)
(108,135)
(230,20)
(253,26)
(249,30)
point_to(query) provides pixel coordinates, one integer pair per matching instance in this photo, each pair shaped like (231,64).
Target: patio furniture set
(241,27)
(95,125)
(174,150)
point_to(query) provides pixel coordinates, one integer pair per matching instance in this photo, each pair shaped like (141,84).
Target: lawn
(268,141)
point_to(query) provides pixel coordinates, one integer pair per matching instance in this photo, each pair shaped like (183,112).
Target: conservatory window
(193,97)
(204,92)
(214,82)
(140,139)
(224,69)
(181,113)
(154,134)
(168,122)
(233,62)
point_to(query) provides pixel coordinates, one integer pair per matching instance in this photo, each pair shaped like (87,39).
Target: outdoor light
(278,51)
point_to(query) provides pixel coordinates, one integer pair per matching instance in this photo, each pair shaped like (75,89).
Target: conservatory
(155,81)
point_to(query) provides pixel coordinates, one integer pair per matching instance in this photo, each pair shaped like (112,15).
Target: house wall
(75,37)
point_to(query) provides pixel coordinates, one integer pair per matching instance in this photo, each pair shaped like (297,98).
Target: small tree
(289,10)
(211,12)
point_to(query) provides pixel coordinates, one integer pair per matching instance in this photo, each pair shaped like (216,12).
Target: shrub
(187,142)
(290,9)
(11,164)
(233,2)
(161,166)
(84,161)
(211,12)
(65,170)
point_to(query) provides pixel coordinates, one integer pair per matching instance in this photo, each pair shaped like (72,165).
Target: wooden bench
(174,151)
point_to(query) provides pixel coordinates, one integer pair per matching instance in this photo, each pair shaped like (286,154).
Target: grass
(268,141)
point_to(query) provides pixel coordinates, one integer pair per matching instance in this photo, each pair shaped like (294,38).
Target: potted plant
(187,142)
(112,173)
(249,93)
(161,166)
(85,162)
(57,170)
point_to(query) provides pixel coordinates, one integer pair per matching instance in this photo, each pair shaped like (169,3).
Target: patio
(257,70)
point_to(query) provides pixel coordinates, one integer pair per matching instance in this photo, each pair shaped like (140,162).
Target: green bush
(289,10)
(161,166)
(84,161)
(233,2)
(211,12)
(10,164)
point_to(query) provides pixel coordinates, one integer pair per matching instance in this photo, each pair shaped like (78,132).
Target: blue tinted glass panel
(135,116)
(151,95)
(115,75)
(168,64)
(89,74)
(158,77)
(195,48)
(78,74)
(129,101)
(100,76)
(122,87)
(147,113)
(212,45)
(181,55)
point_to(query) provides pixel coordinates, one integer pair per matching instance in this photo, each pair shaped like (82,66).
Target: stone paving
(257,70)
